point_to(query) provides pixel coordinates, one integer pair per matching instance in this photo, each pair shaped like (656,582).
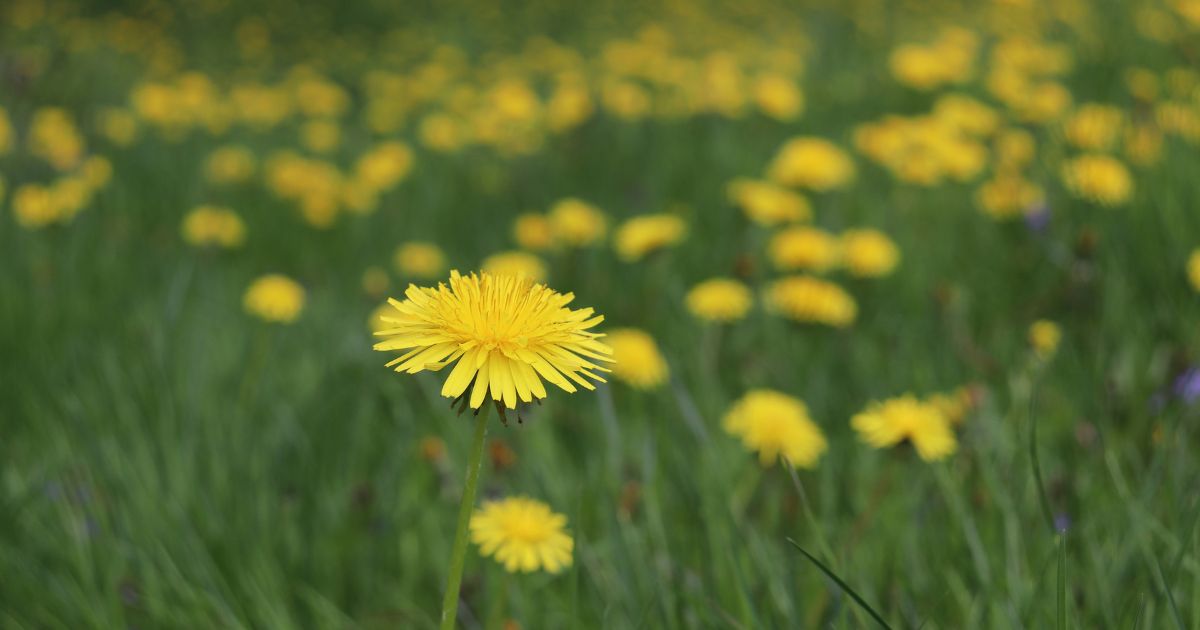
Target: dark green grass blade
(1166,587)
(1043,498)
(1061,623)
(842,585)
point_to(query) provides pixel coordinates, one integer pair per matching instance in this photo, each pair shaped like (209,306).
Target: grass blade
(1043,498)
(1061,623)
(842,585)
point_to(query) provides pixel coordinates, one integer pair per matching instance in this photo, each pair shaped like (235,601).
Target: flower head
(719,300)
(523,535)
(274,298)
(1193,269)
(643,235)
(768,204)
(207,226)
(637,358)
(533,231)
(419,259)
(515,264)
(803,247)
(577,223)
(1098,178)
(230,164)
(813,163)
(906,418)
(502,333)
(1044,336)
(869,253)
(808,299)
(775,424)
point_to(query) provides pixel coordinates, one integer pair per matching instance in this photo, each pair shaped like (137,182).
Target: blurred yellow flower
(229,164)
(1098,178)
(1014,148)
(775,424)
(636,358)
(502,333)
(577,223)
(96,171)
(626,99)
(384,166)
(54,138)
(570,105)
(6,132)
(966,115)
(778,96)
(441,132)
(1044,337)
(1008,196)
(208,226)
(643,235)
(803,247)
(533,231)
(719,300)
(320,135)
(419,259)
(768,204)
(810,300)
(523,535)
(813,163)
(1193,268)
(118,125)
(954,405)
(515,263)
(34,206)
(375,321)
(375,281)
(905,418)
(274,298)
(868,253)
(1094,127)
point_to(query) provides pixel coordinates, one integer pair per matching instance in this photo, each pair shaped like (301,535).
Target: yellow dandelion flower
(274,298)
(1008,196)
(1193,269)
(1014,148)
(96,171)
(719,300)
(778,96)
(419,259)
(637,360)
(375,321)
(810,300)
(533,231)
(6,132)
(384,166)
(515,264)
(503,333)
(229,165)
(34,206)
(441,132)
(1044,337)
(639,236)
(208,226)
(954,405)
(905,418)
(869,253)
(522,534)
(768,204)
(803,247)
(1098,178)
(320,135)
(118,125)
(776,424)
(813,163)
(1094,127)
(577,223)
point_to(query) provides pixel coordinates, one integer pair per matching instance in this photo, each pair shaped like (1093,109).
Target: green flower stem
(458,556)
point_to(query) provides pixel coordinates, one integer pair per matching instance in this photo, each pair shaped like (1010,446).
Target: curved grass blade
(1043,498)
(842,585)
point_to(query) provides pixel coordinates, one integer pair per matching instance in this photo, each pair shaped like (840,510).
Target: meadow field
(827,314)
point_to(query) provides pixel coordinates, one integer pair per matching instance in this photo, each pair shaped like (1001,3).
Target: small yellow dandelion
(813,163)
(522,534)
(637,359)
(274,298)
(213,226)
(719,300)
(502,333)
(803,247)
(1044,337)
(1098,178)
(419,259)
(869,253)
(768,204)
(808,299)
(577,223)
(533,231)
(775,424)
(640,236)
(906,418)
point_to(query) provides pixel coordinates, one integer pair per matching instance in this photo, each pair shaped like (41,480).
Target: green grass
(168,462)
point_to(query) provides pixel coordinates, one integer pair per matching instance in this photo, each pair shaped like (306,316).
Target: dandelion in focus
(515,263)
(640,236)
(868,253)
(274,298)
(637,359)
(721,300)
(213,226)
(503,334)
(906,418)
(523,535)
(419,259)
(774,424)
